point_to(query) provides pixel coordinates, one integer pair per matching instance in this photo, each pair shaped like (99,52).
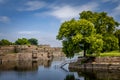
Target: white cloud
(28,32)
(116,11)
(109,1)
(32,5)
(67,12)
(118,7)
(4,19)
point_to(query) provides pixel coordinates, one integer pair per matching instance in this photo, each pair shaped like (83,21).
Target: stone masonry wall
(8,57)
(98,63)
(31,52)
(107,60)
(6,49)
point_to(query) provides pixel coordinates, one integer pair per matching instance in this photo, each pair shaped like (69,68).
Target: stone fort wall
(31,52)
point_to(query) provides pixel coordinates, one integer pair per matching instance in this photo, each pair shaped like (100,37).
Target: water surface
(50,70)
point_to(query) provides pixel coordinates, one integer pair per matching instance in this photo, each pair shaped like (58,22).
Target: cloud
(4,19)
(32,5)
(116,11)
(28,32)
(109,1)
(67,12)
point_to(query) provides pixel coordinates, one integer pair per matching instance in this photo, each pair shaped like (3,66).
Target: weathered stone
(99,63)
(31,52)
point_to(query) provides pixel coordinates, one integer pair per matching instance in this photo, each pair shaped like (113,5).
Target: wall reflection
(24,65)
(90,74)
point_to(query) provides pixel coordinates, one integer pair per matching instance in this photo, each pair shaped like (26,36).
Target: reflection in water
(90,74)
(24,65)
(46,70)
(70,77)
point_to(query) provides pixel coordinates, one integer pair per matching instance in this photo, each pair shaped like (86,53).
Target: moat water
(50,70)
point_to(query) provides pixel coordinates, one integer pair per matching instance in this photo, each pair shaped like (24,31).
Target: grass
(106,54)
(111,54)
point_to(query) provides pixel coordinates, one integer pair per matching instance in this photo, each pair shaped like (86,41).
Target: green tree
(104,25)
(77,35)
(22,41)
(5,42)
(110,43)
(33,41)
(117,34)
(96,44)
(93,32)
(102,22)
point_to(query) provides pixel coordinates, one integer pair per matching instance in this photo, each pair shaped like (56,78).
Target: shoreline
(110,63)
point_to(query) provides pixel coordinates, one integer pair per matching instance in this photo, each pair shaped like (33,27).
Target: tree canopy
(77,35)
(117,34)
(4,42)
(33,41)
(102,22)
(22,41)
(93,33)
(19,41)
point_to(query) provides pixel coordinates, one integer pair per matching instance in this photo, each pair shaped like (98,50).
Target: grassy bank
(105,54)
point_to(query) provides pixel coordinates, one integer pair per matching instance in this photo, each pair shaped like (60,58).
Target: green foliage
(117,34)
(110,43)
(33,41)
(111,54)
(70,77)
(22,41)
(106,54)
(4,42)
(93,33)
(104,25)
(102,22)
(96,44)
(77,35)
(69,48)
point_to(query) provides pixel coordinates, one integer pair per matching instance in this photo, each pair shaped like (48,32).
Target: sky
(41,19)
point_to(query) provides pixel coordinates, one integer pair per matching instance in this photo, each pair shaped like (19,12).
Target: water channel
(50,70)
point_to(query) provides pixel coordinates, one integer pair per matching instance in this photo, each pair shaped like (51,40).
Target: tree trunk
(119,48)
(84,51)
(119,45)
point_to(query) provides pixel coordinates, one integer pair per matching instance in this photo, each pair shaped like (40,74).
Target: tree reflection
(70,77)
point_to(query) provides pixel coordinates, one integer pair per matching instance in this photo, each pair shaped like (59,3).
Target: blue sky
(41,19)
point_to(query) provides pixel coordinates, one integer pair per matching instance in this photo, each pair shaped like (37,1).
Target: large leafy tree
(22,41)
(104,25)
(77,35)
(5,42)
(33,41)
(93,33)
(110,43)
(102,22)
(117,34)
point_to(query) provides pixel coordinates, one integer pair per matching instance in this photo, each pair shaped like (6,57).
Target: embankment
(97,63)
